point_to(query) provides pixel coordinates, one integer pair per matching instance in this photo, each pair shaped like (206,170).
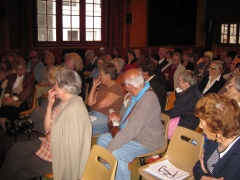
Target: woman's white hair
(136,81)
(70,81)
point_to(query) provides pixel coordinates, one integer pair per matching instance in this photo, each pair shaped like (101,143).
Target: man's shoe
(152,159)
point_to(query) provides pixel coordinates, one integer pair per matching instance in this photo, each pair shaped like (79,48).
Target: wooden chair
(165,120)
(183,151)
(35,104)
(86,92)
(95,169)
(170,101)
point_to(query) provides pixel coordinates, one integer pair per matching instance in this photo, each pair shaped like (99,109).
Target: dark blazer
(189,66)
(184,106)
(28,86)
(228,166)
(215,87)
(158,88)
(159,67)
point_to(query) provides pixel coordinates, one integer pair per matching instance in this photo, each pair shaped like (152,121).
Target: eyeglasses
(207,57)
(212,69)
(163,171)
(32,57)
(124,84)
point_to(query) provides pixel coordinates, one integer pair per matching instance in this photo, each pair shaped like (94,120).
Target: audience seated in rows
(20,87)
(202,68)
(142,132)
(215,81)
(66,126)
(186,99)
(120,64)
(34,66)
(44,85)
(162,62)
(131,60)
(228,76)
(74,62)
(157,83)
(186,56)
(105,94)
(171,72)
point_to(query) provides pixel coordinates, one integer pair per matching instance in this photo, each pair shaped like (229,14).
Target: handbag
(113,129)
(19,126)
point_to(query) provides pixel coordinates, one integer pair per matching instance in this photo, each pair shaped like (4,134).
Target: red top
(168,74)
(130,66)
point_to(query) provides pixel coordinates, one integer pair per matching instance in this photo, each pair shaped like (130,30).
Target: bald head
(134,78)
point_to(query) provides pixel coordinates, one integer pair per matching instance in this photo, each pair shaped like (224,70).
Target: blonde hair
(53,72)
(49,55)
(219,65)
(78,62)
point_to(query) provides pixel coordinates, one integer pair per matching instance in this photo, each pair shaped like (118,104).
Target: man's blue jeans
(100,125)
(124,155)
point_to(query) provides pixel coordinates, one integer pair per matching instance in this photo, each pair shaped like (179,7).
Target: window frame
(59,40)
(229,34)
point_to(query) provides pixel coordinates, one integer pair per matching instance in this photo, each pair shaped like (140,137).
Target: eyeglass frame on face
(166,173)
(124,84)
(212,69)
(230,85)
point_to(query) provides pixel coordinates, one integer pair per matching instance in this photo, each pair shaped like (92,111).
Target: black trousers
(11,112)
(22,163)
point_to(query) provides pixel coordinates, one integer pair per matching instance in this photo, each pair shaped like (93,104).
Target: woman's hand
(51,97)
(96,82)
(48,137)
(8,100)
(202,163)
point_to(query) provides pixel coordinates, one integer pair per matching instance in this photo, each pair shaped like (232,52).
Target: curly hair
(220,113)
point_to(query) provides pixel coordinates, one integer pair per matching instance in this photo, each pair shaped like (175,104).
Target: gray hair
(237,82)
(70,81)
(188,76)
(120,63)
(136,81)
(89,53)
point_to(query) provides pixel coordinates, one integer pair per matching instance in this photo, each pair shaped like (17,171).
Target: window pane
(97,34)
(66,34)
(224,32)
(97,1)
(232,40)
(42,34)
(97,22)
(224,39)
(89,22)
(42,21)
(52,35)
(51,7)
(51,21)
(75,35)
(75,22)
(76,9)
(89,35)
(89,9)
(97,10)
(41,7)
(89,1)
(66,21)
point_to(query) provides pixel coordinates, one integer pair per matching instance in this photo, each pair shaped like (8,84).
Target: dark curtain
(21,15)
(115,12)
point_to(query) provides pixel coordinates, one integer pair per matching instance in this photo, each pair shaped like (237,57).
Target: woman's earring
(216,138)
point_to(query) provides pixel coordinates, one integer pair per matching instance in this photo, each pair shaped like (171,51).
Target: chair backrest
(95,169)
(185,148)
(86,92)
(35,104)
(165,121)
(170,101)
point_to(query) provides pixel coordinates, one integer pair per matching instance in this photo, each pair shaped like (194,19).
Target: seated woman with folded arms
(215,81)
(20,87)
(220,120)
(65,148)
(105,94)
